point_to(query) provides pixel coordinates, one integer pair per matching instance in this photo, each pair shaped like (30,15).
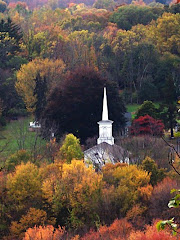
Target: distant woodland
(55,58)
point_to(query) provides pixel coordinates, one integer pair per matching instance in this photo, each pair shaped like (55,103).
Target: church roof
(104,152)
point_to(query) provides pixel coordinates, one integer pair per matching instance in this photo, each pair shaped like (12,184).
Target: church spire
(105,125)
(105,107)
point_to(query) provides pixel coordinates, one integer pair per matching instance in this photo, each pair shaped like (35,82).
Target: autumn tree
(156,175)
(3,206)
(35,79)
(120,192)
(24,188)
(76,104)
(71,148)
(160,197)
(120,228)
(151,232)
(147,125)
(73,194)
(34,217)
(166,33)
(46,232)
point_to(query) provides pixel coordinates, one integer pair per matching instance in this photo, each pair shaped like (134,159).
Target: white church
(105,151)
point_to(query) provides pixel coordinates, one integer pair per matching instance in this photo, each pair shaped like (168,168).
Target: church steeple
(105,107)
(105,126)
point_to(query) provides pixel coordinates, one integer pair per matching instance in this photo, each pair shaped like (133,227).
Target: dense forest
(55,58)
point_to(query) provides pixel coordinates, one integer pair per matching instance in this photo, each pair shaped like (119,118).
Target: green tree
(168,110)
(156,175)
(16,159)
(104,4)
(130,15)
(147,108)
(71,148)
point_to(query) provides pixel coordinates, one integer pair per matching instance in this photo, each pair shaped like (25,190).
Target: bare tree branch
(170,159)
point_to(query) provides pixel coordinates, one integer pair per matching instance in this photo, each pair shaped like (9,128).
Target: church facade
(106,151)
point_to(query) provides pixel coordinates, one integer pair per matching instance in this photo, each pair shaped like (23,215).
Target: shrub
(146,125)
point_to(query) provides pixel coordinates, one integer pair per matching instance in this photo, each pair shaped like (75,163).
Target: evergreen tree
(147,108)
(40,93)
(168,110)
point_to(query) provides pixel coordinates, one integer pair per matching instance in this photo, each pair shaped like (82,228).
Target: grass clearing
(16,135)
(132,108)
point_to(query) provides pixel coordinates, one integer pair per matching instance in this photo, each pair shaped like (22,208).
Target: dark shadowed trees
(168,108)
(75,106)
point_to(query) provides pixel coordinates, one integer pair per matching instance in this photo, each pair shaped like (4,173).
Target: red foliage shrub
(147,125)
(119,229)
(151,233)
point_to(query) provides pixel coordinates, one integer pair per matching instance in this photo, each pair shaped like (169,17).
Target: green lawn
(16,135)
(132,108)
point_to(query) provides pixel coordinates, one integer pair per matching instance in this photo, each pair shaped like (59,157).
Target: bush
(151,233)
(146,125)
(119,229)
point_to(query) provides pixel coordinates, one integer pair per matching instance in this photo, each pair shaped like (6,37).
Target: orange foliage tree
(151,233)
(33,217)
(119,229)
(45,233)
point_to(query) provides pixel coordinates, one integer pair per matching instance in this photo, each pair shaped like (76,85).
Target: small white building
(105,151)
(34,126)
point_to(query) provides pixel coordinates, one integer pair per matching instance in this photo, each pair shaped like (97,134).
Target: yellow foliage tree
(74,194)
(71,148)
(24,186)
(166,33)
(126,180)
(52,70)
